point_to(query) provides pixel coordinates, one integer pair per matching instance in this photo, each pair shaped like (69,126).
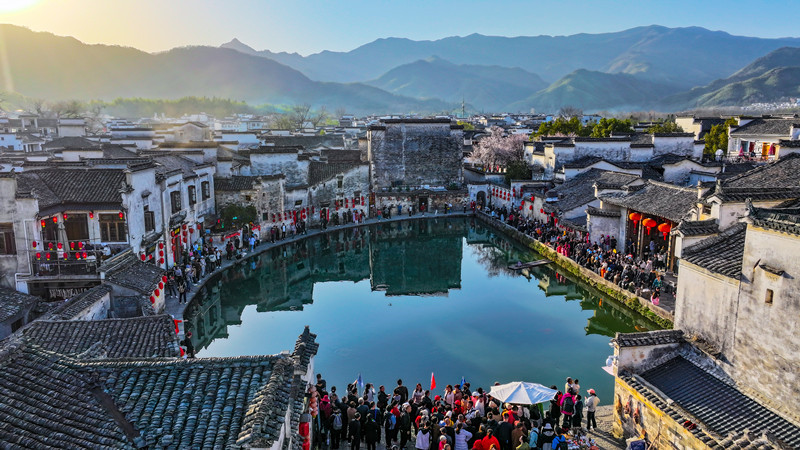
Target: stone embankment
(661,316)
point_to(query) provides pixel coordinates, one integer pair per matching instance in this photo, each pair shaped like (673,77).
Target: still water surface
(405,299)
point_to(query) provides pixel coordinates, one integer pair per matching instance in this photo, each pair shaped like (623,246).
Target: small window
(8,245)
(149,221)
(192,195)
(248,198)
(265,216)
(339,181)
(205,188)
(112,228)
(706,209)
(175,200)
(768,297)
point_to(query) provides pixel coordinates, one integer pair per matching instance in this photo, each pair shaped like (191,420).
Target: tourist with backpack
(560,442)
(390,426)
(336,428)
(567,409)
(577,418)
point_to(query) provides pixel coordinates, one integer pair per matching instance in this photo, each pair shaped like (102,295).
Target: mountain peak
(238,45)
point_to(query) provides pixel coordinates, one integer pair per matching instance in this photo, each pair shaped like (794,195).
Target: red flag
(433,382)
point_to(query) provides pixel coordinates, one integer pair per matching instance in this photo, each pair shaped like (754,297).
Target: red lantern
(50,245)
(47,255)
(161,285)
(42,223)
(555,220)
(34,244)
(55,219)
(635,217)
(84,255)
(160,245)
(72,245)
(161,253)
(38,255)
(649,223)
(161,261)
(157,292)
(60,245)
(152,299)
(520,207)
(65,216)
(531,199)
(665,228)
(121,215)
(184,226)
(66,255)
(80,244)
(91,214)
(530,208)
(541,210)
(362,200)
(164,278)
(143,257)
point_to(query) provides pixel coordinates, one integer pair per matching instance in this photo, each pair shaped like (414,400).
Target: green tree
(667,126)
(606,127)
(563,127)
(717,138)
(517,170)
(467,126)
(234,216)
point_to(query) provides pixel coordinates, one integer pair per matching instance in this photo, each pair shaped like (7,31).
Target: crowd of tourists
(456,418)
(637,274)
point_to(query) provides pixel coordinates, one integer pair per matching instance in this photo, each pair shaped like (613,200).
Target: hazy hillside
(52,67)
(592,91)
(688,57)
(489,88)
(769,78)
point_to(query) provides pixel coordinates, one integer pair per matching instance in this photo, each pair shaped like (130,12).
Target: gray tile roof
(767,127)
(150,336)
(722,408)
(14,302)
(238,183)
(579,190)
(720,254)
(71,142)
(660,337)
(592,211)
(698,227)
(75,306)
(786,143)
(50,400)
(61,186)
(113,151)
(131,273)
(658,199)
(785,219)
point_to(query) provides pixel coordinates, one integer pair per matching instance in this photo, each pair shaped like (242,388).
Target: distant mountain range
(52,67)
(650,67)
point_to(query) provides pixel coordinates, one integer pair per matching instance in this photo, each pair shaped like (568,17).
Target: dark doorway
(481,199)
(423,204)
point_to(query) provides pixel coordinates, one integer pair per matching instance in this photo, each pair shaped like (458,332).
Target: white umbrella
(522,393)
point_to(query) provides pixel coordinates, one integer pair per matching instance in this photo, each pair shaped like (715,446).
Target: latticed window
(112,228)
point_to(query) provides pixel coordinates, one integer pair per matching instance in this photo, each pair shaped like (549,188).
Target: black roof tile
(698,227)
(72,186)
(720,254)
(766,126)
(238,183)
(718,405)
(14,302)
(76,305)
(150,336)
(658,199)
(659,337)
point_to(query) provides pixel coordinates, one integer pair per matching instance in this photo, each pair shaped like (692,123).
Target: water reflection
(419,258)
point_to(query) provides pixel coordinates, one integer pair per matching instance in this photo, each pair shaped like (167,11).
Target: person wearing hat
(591,407)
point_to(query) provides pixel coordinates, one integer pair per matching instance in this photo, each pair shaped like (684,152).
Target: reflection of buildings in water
(283,278)
(417,258)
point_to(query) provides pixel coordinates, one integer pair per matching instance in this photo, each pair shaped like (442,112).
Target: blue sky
(311,26)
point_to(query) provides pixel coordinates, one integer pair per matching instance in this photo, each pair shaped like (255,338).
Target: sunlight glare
(8,6)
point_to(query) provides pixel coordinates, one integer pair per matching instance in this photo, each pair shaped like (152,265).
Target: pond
(404,299)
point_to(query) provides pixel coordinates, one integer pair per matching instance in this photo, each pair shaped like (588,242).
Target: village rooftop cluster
(93,218)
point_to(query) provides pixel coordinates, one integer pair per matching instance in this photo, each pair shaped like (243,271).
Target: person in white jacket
(462,437)
(423,436)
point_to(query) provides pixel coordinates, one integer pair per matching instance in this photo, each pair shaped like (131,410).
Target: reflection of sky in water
(497,327)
